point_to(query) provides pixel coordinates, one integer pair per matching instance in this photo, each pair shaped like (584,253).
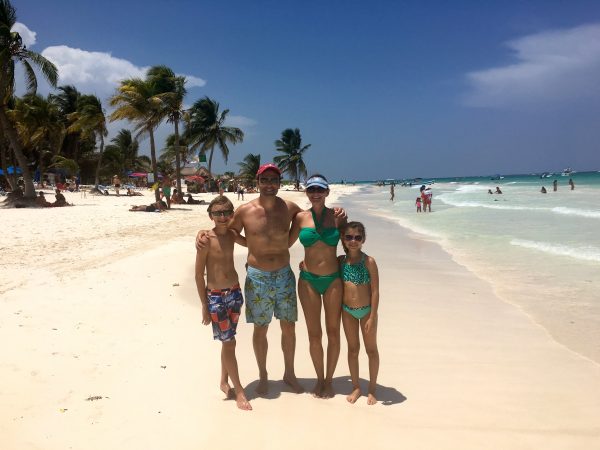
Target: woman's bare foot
(228,391)
(353,396)
(292,382)
(242,402)
(263,386)
(317,391)
(328,390)
(371,400)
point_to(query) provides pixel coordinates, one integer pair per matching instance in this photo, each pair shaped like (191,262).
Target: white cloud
(551,66)
(97,72)
(27,35)
(240,121)
(192,81)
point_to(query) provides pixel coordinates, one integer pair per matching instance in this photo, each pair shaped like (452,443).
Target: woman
(319,284)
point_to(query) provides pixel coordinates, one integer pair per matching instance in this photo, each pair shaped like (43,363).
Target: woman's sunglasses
(315,189)
(350,237)
(224,213)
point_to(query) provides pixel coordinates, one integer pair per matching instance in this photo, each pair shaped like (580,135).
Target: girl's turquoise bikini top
(308,236)
(356,273)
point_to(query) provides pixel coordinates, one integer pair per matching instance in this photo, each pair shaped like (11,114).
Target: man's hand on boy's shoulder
(202,239)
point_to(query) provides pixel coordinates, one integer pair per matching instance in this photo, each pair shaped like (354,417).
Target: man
(117,182)
(270,286)
(166,190)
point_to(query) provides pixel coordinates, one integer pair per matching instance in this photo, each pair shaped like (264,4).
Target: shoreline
(460,368)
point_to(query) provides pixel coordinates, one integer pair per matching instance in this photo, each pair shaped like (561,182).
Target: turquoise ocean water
(540,252)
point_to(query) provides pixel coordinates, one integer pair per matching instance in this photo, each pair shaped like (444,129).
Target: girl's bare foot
(242,402)
(292,382)
(353,396)
(228,391)
(328,390)
(317,391)
(371,400)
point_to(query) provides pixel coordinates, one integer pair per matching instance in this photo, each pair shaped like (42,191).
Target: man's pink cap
(268,166)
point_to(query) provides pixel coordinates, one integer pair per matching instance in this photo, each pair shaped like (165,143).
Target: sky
(379,89)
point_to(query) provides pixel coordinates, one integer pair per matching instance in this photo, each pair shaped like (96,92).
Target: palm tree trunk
(97,182)
(153,159)
(212,150)
(177,156)
(4,165)
(18,152)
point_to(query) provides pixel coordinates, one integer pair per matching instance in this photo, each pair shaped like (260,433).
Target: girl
(360,303)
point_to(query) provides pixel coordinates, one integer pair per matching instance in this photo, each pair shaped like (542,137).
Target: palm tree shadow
(386,395)
(276,387)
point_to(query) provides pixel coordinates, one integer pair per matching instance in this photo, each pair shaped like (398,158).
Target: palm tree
(206,129)
(135,101)
(170,151)
(249,167)
(124,148)
(170,89)
(90,120)
(12,50)
(67,100)
(290,144)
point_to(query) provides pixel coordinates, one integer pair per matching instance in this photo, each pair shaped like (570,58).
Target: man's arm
(201,257)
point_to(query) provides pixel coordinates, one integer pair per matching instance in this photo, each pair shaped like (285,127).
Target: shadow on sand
(386,396)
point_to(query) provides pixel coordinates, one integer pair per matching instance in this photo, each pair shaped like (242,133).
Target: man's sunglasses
(349,237)
(268,180)
(224,213)
(315,189)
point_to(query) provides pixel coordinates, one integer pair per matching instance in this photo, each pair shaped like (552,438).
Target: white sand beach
(103,348)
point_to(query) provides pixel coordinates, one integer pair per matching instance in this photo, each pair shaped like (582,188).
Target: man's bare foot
(242,402)
(317,391)
(371,400)
(353,396)
(228,391)
(263,387)
(328,390)
(292,382)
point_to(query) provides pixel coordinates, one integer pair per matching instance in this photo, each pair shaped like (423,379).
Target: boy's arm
(374,273)
(201,257)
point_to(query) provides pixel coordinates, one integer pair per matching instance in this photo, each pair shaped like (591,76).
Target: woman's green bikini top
(356,273)
(309,236)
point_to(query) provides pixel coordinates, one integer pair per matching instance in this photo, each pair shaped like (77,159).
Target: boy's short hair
(220,200)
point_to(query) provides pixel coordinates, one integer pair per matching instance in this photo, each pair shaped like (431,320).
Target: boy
(221,295)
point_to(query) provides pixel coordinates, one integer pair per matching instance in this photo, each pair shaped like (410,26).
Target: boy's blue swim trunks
(225,306)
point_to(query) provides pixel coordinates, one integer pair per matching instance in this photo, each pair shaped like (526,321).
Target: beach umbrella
(138,175)
(195,178)
(11,170)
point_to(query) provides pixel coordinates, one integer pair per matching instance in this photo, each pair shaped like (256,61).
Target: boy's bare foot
(353,396)
(292,382)
(228,391)
(317,391)
(242,402)
(328,390)
(263,386)
(371,400)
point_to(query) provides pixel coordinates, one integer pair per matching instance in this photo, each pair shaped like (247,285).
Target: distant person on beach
(220,293)
(543,191)
(426,197)
(555,185)
(177,197)
(270,283)
(240,192)
(153,207)
(418,204)
(166,190)
(117,183)
(572,184)
(360,305)
(490,191)
(41,200)
(392,193)
(498,191)
(60,199)
(319,284)
(192,201)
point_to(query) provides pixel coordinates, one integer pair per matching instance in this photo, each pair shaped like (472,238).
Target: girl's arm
(374,273)
(201,257)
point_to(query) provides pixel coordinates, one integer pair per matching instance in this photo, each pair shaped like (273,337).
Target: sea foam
(576,212)
(587,253)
